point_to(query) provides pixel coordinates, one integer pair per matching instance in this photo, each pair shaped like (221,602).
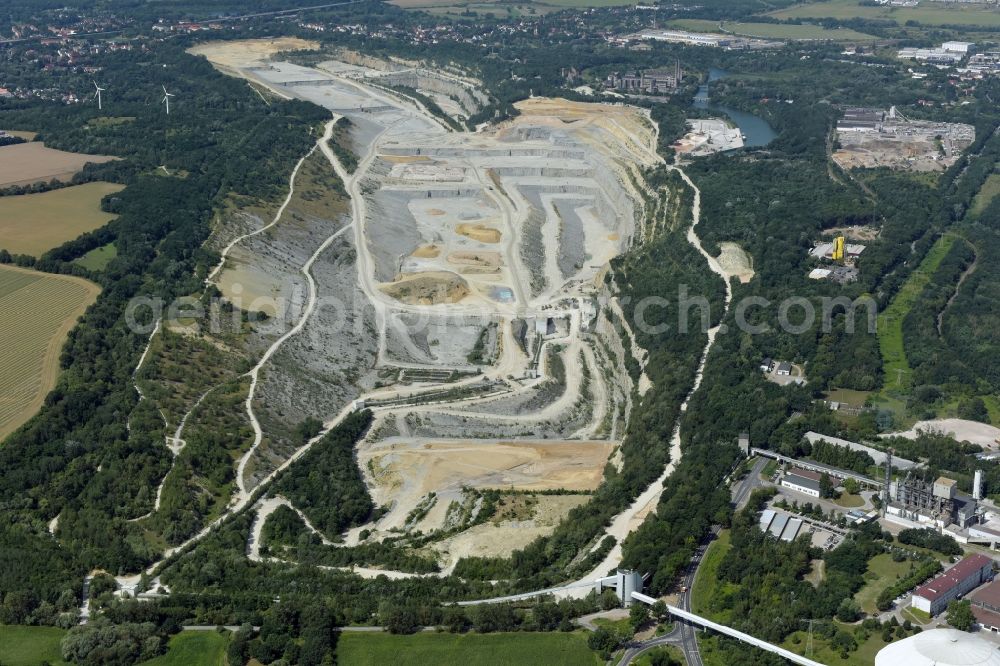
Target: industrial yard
(872,138)
(708,136)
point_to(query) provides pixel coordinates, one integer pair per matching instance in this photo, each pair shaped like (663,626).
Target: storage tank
(628,582)
(939,647)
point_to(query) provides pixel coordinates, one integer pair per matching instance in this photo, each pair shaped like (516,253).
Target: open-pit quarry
(457,291)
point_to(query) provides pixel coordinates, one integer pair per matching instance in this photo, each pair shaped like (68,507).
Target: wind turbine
(166,98)
(100,106)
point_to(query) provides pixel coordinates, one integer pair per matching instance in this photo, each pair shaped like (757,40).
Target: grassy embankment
(890,321)
(706,583)
(30,646)
(550,649)
(194,648)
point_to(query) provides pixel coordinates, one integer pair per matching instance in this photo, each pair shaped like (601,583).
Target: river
(756,131)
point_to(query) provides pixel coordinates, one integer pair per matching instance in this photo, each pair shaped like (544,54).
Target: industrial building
(802,481)
(948,53)
(838,274)
(837,250)
(650,81)
(986,606)
(970,573)
(861,120)
(780,525)
(717,40)
(915,502)
(685,37)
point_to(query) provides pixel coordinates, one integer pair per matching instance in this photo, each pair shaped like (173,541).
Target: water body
(756,131)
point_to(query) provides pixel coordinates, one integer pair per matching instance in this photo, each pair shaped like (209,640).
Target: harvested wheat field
(34,223)
(37,311)
(27,163)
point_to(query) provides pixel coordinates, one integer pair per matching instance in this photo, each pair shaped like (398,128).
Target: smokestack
(977,485)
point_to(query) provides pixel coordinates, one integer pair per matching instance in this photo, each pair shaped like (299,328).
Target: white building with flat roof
(802,481)
(957,47)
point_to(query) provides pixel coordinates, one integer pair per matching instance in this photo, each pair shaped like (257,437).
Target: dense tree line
(326,484)
(839,456)
(928,538)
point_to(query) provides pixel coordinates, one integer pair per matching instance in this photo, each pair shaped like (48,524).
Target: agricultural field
(30,646)
(926,13)
(37,311)
(525,649)
(34,223)
(27,163)
(774,30)
(98,258)
(194,648)
(890,321)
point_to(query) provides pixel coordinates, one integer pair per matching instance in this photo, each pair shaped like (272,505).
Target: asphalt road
(684,636)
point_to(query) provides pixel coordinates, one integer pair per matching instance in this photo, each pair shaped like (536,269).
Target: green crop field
(524,649)
(37,311)
(925,13)
(34,223)
(890,321)
(194,648)
(98,258)
(774,30)
(30,646)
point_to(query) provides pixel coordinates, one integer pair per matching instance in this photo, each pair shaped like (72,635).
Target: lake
(756,131)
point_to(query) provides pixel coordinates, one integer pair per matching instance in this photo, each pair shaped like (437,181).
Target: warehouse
(986,606)
(970,573)
(802,481)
